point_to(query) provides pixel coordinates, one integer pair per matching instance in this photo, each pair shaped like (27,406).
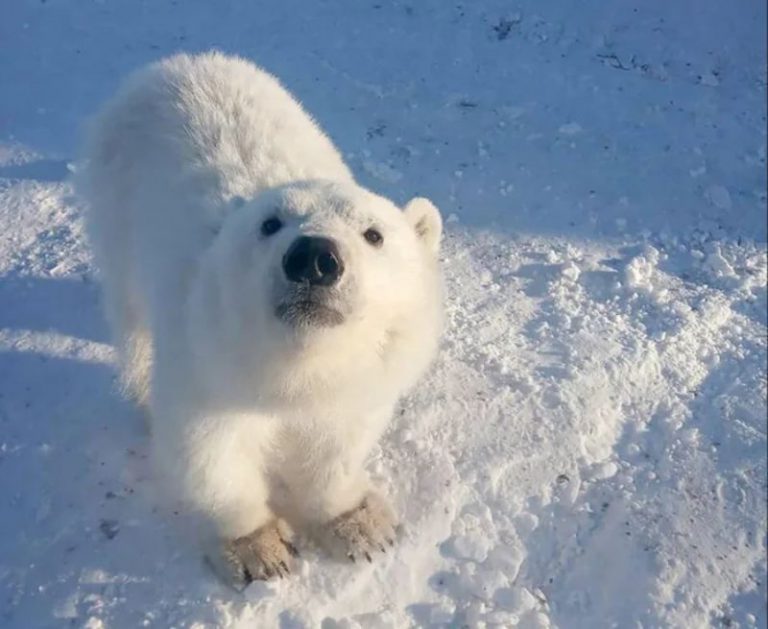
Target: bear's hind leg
(132,341)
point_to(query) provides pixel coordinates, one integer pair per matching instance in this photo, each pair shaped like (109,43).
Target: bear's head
(319,286)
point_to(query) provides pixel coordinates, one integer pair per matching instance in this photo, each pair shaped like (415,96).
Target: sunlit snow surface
(589,449)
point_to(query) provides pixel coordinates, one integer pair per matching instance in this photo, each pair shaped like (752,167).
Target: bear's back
(210,125)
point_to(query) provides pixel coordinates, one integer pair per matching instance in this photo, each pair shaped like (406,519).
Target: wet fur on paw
(366,529)
(264,554)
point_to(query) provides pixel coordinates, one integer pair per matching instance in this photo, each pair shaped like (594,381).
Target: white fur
(251,418)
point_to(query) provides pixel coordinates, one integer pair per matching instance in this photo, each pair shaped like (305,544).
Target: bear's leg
(131,338)
(332,494)
(253,543)
(220,465)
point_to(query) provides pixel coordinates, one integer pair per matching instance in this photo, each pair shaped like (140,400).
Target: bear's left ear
(425,219)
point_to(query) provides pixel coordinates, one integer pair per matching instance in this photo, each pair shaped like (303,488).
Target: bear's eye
(271,226)
(374,237)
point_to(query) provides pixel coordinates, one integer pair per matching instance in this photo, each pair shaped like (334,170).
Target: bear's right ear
(425,219)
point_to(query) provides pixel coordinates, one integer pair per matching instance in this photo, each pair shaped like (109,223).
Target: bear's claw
(258,556)
(359,533)
(291,548)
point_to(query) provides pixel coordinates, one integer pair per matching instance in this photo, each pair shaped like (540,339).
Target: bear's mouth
(308,312)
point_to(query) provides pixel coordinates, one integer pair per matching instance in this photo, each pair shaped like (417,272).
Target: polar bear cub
(267,310)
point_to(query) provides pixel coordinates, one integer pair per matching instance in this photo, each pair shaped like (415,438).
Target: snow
(590,448)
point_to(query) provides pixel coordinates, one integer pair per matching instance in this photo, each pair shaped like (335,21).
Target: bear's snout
(313,260)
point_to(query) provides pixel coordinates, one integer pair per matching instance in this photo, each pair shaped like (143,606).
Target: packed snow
(589,449)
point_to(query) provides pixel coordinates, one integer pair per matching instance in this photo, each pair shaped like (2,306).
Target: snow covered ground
(590,448)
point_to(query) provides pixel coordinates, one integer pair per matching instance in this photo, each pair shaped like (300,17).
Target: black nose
(313,260)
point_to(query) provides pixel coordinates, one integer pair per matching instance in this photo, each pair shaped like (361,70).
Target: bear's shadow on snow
(65,306)
(86,455)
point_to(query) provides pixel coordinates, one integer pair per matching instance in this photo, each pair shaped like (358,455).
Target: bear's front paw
(362,531)
(261,555)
